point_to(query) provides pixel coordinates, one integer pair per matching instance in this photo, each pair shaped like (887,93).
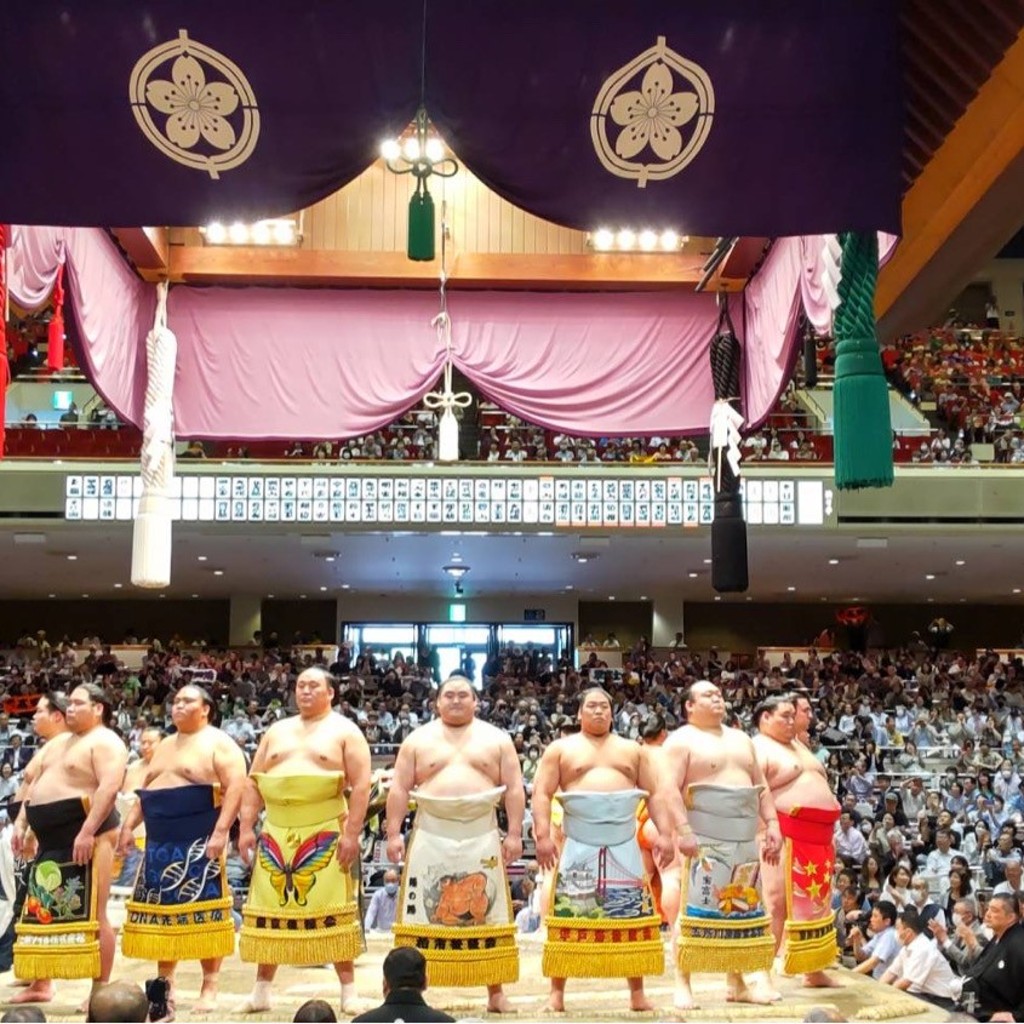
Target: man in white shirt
(919,967)
(851,846)
(1011,886)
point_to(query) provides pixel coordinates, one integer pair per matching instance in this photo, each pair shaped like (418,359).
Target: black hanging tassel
(729,573)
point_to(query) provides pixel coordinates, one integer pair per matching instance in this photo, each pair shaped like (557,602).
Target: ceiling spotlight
(960,561)
(929,575)
(390,149)
(692,575)
(603,239)
(118,586)
(718,597)
(669,240)
(643,597)
(216,233)
(791,589)
(1016,590)
(611,597)
(200,558)
(218,572)
(72,558)
(648,240)
(346,586)
(51,595)
(238,233)
(322,589)
(195,595)
(455,569)
(568,586)
(707,561)
(626,239)
(833,561)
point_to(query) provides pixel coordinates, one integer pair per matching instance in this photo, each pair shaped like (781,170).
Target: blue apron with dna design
(181,906)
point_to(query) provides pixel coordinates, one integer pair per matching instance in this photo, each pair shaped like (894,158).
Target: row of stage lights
(262,232)
(627,240)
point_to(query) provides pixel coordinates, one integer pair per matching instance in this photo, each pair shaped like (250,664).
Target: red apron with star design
(809,939)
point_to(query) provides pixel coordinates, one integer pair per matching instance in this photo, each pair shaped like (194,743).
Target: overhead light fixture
(218,572)
(279,231)
(611,597)
(643,597)
(582,557)
(322,589)
(960,561)
(637,240)
(707,561)
(929,575)
(346,586)
(118,586)
(693,575)
(195,595)
(72,558)
(200,558)
(420,154)
(833,561)
(791,590)
(457,570)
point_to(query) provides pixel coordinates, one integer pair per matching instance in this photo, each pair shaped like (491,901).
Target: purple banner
(721,117)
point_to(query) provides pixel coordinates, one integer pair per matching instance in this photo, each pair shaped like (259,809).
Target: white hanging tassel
(831,269)
(446,400)
(725,438)
(151,541)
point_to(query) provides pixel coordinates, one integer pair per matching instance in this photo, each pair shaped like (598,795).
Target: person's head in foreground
(405,967)
(118,1001)
(315,1010)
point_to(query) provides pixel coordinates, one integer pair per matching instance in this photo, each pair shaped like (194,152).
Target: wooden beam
(146,248)
(982,146)
(345,269)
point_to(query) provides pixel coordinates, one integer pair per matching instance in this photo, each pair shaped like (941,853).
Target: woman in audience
(959,888)
(908,759)
(871,881)
(897,886)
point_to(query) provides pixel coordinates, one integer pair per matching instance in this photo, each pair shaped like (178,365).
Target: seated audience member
(405,981)
(919,967)
(315,1011)
(880,950)
(964,946)
(118,1001)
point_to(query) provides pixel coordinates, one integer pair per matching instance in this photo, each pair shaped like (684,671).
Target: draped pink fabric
(113,308)
(296,363)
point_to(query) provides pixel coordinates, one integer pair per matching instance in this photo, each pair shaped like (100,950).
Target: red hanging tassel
(5,369)
(55,337)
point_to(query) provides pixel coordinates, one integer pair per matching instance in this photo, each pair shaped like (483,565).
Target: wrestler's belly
(727,775)
(57,786)
(600,780)
(171,780)
(807,790)
(456,780)
(298,765)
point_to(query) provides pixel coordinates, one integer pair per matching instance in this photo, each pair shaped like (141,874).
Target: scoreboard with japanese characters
(540,500)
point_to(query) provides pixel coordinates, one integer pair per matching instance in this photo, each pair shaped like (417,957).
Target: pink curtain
(296,363)
(113,308)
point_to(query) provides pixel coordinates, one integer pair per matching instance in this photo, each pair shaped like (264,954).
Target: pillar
(666,619)
(246,617)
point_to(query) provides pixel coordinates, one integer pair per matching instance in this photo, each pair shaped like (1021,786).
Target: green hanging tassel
(862,423)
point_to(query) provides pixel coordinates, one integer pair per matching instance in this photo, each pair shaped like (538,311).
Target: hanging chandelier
(420,154)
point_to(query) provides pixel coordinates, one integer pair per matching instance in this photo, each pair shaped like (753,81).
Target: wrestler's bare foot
(683,998)
(37,992)
(355,1005)
(821,979)
(207,1000)
(555,1003)
(759,991)
(256,1003)
(497,1002)
(639,1002)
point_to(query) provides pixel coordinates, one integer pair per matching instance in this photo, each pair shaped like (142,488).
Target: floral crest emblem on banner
(650,129)
(195,105)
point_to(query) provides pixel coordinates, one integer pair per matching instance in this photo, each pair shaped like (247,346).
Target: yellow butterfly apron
(301,907)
